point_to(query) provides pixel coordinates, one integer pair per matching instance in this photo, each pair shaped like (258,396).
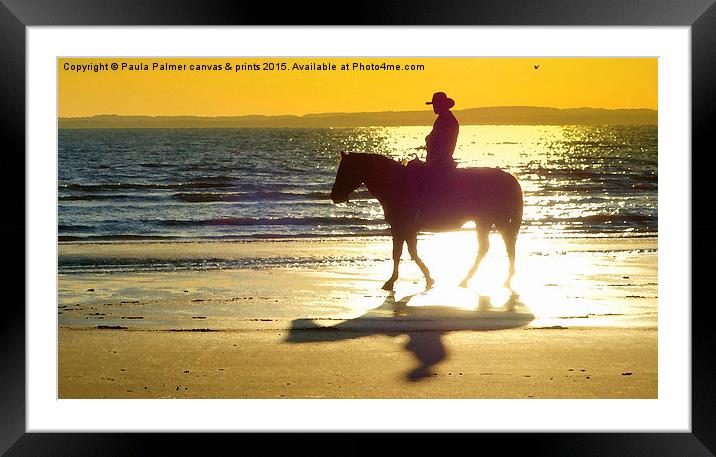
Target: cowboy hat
(439,98)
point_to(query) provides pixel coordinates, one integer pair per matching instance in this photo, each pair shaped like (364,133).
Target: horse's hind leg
(397,252)
(483,240)
(510,237)
(412,242)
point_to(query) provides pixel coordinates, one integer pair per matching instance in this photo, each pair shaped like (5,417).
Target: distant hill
(504,115)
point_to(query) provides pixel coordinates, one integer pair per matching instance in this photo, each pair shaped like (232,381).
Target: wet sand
(312,322)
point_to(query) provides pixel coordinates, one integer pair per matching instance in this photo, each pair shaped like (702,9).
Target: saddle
(430,174)
(430,183)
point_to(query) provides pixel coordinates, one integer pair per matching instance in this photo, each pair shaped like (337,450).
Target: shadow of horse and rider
(425,326)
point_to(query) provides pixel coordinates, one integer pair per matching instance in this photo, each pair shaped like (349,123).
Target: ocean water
(208,184)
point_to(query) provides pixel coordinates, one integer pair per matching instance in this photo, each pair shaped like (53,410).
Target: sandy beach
(307,319)
(536,363)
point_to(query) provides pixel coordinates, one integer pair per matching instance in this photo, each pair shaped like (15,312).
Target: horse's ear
(343,154)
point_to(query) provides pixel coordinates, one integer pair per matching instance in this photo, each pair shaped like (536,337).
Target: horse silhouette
(416,198)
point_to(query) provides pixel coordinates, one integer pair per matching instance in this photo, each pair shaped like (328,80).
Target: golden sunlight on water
(573,178)
(482,145)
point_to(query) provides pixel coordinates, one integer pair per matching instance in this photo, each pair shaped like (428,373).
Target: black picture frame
(16,15)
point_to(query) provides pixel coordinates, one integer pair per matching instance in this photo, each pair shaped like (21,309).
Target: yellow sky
(471,82)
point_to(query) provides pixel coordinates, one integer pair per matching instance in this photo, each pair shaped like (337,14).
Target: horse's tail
(515,220)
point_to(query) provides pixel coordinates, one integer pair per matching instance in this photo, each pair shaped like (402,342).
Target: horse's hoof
(429,283)
(464,284)
(387,286)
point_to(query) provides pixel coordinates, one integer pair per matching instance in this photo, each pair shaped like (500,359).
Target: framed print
(216,216)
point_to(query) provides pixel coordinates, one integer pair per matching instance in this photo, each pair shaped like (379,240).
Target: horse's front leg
(397,252)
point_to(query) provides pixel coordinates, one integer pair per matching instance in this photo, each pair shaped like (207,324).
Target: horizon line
(352,112)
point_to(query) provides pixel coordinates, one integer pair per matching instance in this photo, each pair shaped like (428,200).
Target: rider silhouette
(440,143)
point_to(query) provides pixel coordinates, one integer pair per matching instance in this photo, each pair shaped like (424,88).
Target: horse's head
(347,179)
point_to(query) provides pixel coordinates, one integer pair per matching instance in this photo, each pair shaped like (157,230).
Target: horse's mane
(376,159)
